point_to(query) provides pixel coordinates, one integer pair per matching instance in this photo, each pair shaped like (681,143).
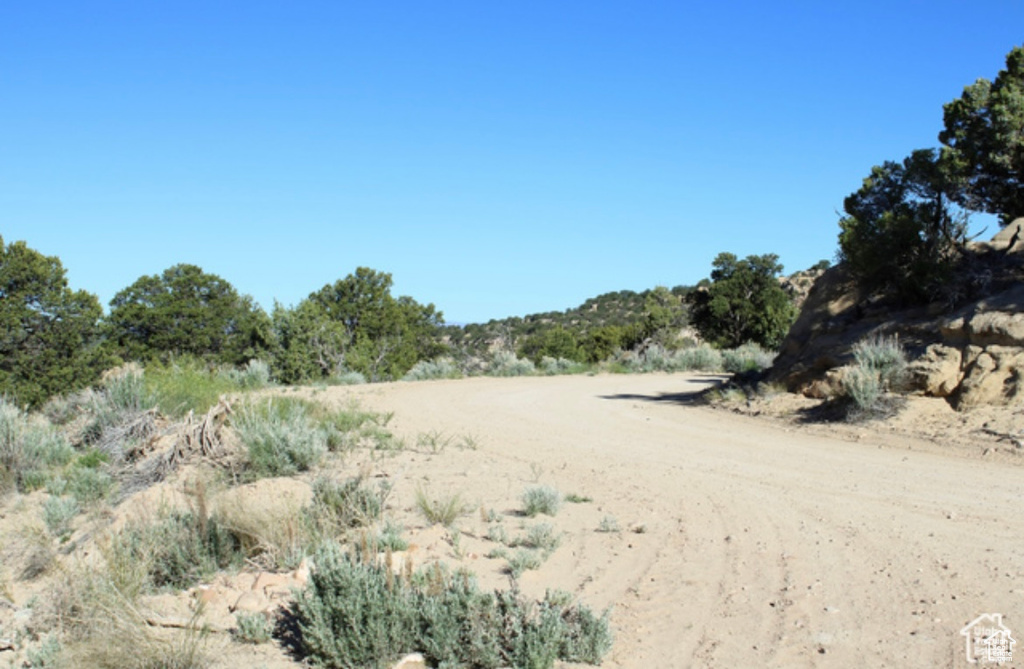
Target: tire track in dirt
(763,546)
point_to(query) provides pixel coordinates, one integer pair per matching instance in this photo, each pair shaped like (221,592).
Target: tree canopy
(743,302)
(48,333)
(186,311)
(356,324)
(900,230)
(984,142)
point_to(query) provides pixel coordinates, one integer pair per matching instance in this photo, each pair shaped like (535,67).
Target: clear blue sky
(498,158)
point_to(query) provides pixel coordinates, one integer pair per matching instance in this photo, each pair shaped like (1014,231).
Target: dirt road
(743,543)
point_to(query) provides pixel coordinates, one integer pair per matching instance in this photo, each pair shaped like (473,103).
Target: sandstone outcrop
(972,354)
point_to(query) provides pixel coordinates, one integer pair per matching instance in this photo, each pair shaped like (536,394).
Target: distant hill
(621,308)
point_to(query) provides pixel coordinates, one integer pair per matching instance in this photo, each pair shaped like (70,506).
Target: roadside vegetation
(86,453)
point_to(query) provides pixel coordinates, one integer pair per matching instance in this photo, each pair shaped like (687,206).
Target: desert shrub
(356,614)
(879,367)
(507,364)
(346,378)
(102,625)
(125,391)
(541,499)
(29,448)
(655,358)
(389,537)
(185,386)
(746,358)
(863,386)
(281,437)
(350,503)
(542,537)
(609,525)
(443,509)
(179,549)
(556,366)
(45,655)
(62,409)
(88,485)
(885,357)
(58,512)
(523,560)
(439,368)
(252,628)
(253,376)
(702,358)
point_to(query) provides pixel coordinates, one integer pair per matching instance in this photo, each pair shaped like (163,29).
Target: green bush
(440,368)
(179,549)
(507,364)
(541,499)
(746,358)
(354,614)
(347,378)
(58,512)
(702,358)
(253,376)
(885,357)
(880,366)
(89,485)
(281,437)
(558,366)
(29,448)
(252,628)
(541,537)
(186,385)
(347,504)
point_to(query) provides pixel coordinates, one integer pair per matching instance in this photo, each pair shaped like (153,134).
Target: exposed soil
(745,541)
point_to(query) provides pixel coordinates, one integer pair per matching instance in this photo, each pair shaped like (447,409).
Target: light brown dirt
(746,541)
(761,545)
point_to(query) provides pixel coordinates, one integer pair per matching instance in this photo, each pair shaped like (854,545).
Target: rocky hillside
(968,349)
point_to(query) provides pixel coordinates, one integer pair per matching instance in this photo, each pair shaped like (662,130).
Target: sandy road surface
(761,545)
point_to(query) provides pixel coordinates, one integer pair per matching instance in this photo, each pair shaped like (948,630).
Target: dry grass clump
(96,613)
(443,509)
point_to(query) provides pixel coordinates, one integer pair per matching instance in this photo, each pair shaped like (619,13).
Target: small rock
(413,661)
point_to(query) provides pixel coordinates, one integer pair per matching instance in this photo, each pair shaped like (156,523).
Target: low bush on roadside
(440,368)
(541,499)
(879,368)
(346,378)
(355,614)
(747,358)
(507,364)
(281,437)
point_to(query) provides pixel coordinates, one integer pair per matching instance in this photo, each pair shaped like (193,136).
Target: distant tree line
(55,340)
